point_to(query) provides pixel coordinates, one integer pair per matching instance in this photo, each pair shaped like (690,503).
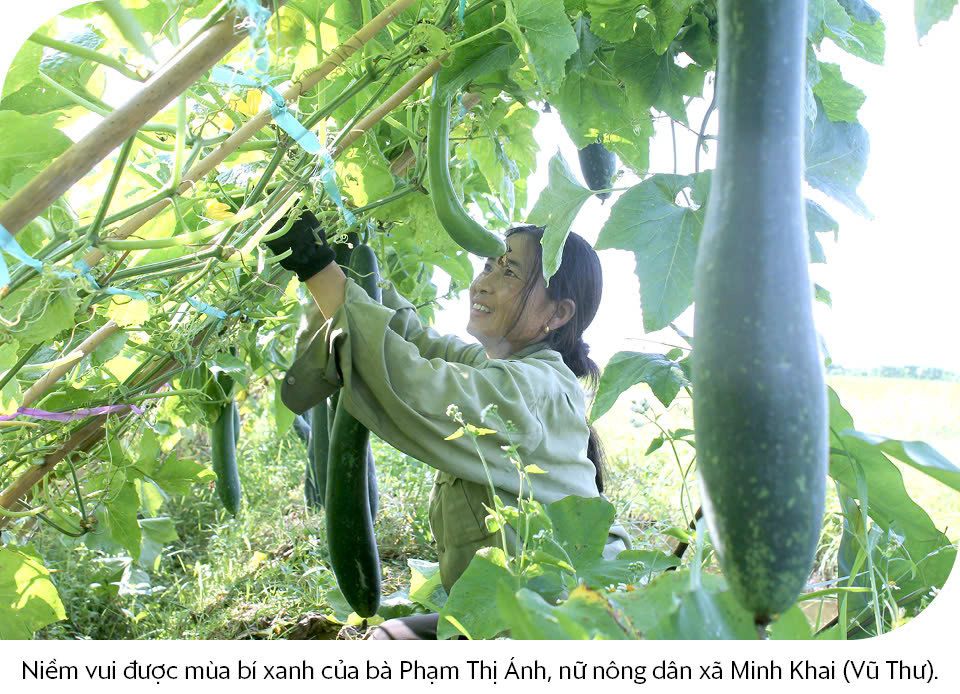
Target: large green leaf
(706,615)
(840,99)
(24,68)
(364,174)
(792,625)
(555,210)
(117,525)
(818,222)
(828,15)
(676,606)
(589,43)
(922,556)
(647,606)
(669,17)
(549,36)
(36,317)
(477,586)
(626,369)
(29,143)
(591,106)
(663,237)
(28,598)
(157,534)
(581,526)
(917,454)
(655,80)
(613,20)
(585,615)
(699,41)
(177,476)
(426,587)
(68,70)
(418,234)
(492,52)
(929,12)
(836,159)
(498,169)
(867,30)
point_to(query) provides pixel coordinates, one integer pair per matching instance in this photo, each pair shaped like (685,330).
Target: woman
(399,379)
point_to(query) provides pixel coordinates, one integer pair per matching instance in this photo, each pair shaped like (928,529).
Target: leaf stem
(93,235)
(86,54)
(19,365)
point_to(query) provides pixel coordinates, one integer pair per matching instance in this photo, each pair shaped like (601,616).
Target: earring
(546,329)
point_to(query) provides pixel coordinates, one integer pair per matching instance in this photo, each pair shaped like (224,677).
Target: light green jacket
(399,379)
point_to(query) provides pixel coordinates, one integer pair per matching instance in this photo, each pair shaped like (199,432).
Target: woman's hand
(310,251)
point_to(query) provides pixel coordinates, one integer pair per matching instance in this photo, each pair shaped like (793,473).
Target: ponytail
(580,279)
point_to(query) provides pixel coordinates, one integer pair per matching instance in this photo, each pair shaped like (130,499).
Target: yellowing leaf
(534,469)
(121,367)
(455,435)
(584,594)
(256,560)
(127,312)
(480,431)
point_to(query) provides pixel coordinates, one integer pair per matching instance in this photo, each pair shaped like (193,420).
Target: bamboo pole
(337,57)
(83,439)
(397,98)
(43,384)
(169,82)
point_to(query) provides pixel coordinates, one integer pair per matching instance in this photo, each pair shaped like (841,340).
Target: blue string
(257,28)
(211,311)
(10,246)
(463,8)
(303,137)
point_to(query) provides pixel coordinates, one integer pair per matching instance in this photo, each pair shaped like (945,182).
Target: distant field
(649,486)
(912,410)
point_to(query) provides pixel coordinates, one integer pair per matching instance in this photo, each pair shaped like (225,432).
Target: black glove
(308,257)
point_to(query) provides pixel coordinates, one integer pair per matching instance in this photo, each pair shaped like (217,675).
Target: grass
(264,573)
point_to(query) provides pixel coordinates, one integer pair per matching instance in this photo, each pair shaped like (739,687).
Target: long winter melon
(760,406)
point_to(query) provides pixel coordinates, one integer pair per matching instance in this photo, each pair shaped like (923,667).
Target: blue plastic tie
(211,311)
(10,246)
(294,128)
(463,9)
(258,17)
(84,269)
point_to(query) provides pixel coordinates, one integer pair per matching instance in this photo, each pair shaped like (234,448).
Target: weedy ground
(264,574)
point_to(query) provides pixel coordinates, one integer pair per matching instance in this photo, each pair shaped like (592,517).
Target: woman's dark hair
(580,279)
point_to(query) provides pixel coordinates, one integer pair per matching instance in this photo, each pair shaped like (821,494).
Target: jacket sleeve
(400,379)
(430,343)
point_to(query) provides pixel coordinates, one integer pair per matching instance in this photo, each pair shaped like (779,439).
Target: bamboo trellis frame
(94,430)
(34,198)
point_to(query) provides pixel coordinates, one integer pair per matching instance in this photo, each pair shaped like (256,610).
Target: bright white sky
(894,280)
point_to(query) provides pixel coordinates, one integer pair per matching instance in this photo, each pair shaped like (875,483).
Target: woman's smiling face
(496,318)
